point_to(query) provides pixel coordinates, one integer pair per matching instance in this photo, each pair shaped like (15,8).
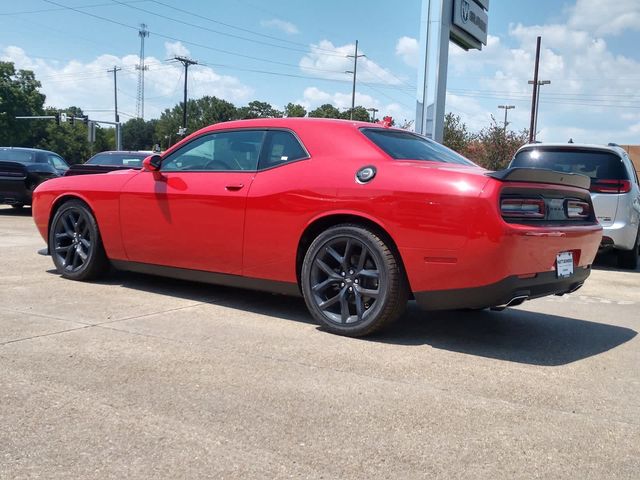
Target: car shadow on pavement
(512,335)
(609,261)
(15,212)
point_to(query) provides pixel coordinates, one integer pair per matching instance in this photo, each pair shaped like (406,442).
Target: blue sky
(294,51)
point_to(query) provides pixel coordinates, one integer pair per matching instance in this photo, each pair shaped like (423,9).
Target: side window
(281,147)
(57,162)
(218,152)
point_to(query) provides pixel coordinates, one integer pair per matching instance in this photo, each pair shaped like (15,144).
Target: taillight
(523,208)
(577,209)
(610,186)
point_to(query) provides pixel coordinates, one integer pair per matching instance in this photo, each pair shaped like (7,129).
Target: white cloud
(593,90)
(89,86)
(330,61)
(605,17)
(175,48)
(282,25)
(407,49)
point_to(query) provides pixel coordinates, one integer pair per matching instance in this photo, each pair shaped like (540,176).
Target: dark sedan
(104,162)
(23,169)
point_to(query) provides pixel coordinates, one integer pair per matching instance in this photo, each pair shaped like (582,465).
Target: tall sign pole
(464,22)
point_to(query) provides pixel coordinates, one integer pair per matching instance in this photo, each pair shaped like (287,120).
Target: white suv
(614,188)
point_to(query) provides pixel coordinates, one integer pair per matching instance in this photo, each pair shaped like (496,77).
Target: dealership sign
(464,22)
(469,23)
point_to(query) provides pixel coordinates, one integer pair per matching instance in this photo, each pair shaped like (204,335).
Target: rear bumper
(620,235)
(502,292)
(14,191)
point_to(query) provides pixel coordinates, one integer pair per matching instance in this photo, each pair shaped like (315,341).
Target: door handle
(234,187)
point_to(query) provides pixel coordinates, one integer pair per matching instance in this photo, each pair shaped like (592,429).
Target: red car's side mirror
(152,163)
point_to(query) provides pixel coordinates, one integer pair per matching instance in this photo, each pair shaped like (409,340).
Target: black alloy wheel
(75,243)
(352,282)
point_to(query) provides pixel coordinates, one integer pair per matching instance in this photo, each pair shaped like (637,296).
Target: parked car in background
(355,216)
(104,162)
(23,169)
(615,191)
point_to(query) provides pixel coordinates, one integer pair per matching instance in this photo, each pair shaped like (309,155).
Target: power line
(232,35)
(235,27)
(45,10)
(188,42)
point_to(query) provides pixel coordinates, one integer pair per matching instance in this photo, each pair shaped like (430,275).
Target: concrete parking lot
(142,377)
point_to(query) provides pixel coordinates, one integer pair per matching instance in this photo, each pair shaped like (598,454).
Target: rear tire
(17,206)
(629,258)
(352,282)
(75,243)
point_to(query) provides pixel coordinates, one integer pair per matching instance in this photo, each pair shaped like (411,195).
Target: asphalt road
(141,377)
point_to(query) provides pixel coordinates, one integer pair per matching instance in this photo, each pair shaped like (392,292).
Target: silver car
(614,188)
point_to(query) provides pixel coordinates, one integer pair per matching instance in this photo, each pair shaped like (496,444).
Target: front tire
(629,258)
(75,243)
(17,206)
(352,282)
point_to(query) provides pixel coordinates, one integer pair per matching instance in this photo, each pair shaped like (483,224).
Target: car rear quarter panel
(421,205)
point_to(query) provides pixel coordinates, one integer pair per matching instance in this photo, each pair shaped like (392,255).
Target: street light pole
(535,111)
(532,126)
(506,109)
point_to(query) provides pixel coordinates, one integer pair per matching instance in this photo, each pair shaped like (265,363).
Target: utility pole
(355,57)
(373,113)
(535,117)
(532,131)
(187,62)
(115,91)
(141,67)
(506,109)
(115,103)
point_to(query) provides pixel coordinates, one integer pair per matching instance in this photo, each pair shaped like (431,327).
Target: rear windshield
(127,159)
(596,164)
(19,156)
(410,146)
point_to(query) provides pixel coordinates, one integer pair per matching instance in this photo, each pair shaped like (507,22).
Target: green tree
(456,134)
(67,139)
(359,114)
(19,96)
(325,111)
(294,110)
(494,148)
(200,113)
(257,109)
(138,134)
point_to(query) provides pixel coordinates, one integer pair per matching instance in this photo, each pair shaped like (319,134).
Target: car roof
(574,146)
(290,122)
(120,152)
(25,149)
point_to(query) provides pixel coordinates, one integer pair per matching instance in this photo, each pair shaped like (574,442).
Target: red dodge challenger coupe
(356,217)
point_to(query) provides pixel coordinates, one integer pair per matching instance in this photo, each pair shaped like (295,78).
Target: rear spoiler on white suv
(541,175)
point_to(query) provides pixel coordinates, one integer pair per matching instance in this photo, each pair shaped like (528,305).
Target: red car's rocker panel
(276,215)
